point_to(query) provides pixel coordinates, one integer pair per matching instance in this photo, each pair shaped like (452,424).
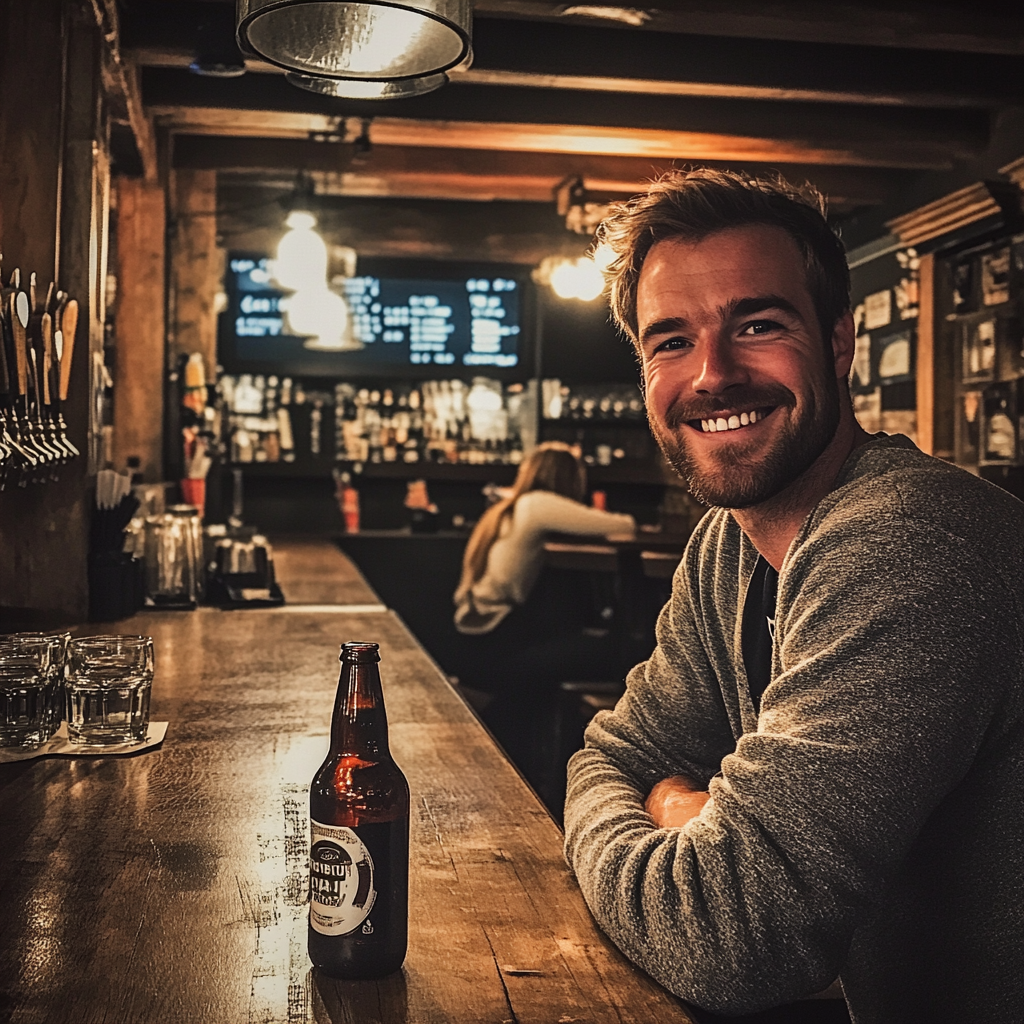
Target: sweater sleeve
(544,511)
(876,711)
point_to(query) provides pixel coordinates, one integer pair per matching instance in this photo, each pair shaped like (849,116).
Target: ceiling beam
(552,138)
(121,83)
(559,121)
(926,27)
(485,174)
(596,58)
(984,28)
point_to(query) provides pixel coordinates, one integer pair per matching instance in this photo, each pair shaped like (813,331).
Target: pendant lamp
(371,40)
(368,89)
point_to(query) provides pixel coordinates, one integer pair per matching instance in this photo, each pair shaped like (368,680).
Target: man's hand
(674,801)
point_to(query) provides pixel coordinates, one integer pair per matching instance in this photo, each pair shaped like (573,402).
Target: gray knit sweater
(870,823)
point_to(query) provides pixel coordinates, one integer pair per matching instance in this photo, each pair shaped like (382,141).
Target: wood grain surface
(315,572)
(170,886)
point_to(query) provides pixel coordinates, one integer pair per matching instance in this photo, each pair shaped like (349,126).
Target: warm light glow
(603,256)
(301,220)
(317,311)
(365,89)
(357,40)
(578,279)
(301,254)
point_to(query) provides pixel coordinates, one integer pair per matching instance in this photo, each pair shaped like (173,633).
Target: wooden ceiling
(854,96)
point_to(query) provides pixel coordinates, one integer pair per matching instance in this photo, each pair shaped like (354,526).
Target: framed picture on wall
(999,441)
(967,428)
(963,285)
(995,277)
(895,358)
(979,350)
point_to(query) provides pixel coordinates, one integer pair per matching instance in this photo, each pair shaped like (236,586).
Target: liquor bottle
(359,824)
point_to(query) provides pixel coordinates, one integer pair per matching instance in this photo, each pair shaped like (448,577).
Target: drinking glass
(108,687)
(170,562)
(25,682)
(58,644)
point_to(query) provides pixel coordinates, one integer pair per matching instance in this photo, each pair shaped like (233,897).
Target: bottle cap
(360,653)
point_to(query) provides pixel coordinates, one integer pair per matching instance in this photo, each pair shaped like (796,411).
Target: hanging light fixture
(583,278)
(322,316)
(301,253)
(367,89)
(372,41)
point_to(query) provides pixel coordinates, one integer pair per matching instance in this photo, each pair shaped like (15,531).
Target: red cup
(194,493)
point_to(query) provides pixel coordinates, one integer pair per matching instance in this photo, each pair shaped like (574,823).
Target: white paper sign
(878,310)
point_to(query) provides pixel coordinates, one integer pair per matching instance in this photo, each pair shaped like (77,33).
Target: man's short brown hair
(696,203)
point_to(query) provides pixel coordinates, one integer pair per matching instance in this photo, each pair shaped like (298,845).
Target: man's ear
(844,344)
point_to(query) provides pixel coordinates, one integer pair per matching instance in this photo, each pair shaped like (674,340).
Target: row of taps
(38,341)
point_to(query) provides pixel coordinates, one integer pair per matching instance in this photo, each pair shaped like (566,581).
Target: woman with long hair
(524,634)
(506,551)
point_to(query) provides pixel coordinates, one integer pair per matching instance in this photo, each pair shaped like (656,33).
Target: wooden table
(170,886)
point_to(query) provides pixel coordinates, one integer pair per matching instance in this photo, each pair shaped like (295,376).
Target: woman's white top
(517,554)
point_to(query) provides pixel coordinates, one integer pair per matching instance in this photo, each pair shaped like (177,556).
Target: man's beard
(732,478)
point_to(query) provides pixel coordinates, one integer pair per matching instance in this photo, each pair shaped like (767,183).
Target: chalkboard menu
(469,321)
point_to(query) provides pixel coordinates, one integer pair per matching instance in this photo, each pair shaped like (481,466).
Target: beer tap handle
(18,307)
(46,329)
(69,325)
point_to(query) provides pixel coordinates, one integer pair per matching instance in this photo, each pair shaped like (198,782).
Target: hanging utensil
(22,347)
(68,323)
(54,433)
(10,427)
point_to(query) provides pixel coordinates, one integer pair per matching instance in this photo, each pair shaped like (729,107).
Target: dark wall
(580,344)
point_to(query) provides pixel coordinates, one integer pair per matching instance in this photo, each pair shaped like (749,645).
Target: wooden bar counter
(170,886)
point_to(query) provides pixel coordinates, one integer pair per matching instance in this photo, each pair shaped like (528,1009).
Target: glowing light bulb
(301,254)
(578,279)
(563,280)
(316,311)
(603,256)
(589,280)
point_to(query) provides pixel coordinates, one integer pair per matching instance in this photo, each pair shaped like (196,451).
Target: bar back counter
(170,886)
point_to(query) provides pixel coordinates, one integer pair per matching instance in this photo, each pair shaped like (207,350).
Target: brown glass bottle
(359,852)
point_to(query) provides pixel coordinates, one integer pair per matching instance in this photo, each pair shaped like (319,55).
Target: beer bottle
(359,823)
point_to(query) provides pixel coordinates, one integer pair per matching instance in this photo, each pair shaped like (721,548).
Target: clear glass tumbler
(25,692)
(108,687)
(58,644)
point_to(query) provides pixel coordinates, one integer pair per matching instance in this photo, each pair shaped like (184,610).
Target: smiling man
(820,770)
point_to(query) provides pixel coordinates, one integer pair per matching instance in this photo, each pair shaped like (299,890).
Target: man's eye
(673,345)
(758,327)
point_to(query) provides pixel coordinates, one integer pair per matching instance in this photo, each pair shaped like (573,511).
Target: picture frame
(978,349)
(893,361)
(1000,427)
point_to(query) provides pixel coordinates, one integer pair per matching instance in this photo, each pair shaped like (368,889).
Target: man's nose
(718,366)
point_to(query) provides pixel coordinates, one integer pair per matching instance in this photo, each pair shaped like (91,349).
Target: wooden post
(926,356)
(139,326)
(936,371)
(197,266)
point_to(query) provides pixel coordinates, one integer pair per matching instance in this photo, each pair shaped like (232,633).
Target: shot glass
(108,686)
(25,685)
(58,644)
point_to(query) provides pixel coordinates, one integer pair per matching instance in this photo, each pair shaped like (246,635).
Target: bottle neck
(359,727)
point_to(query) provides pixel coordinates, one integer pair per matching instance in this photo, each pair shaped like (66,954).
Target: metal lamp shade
(367,89)
(372,41)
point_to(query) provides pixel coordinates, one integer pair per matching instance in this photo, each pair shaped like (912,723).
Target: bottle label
(341,888)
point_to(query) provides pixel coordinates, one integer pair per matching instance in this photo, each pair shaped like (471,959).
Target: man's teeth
(744,419)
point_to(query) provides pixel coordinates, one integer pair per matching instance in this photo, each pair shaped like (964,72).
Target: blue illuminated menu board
(471,322)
